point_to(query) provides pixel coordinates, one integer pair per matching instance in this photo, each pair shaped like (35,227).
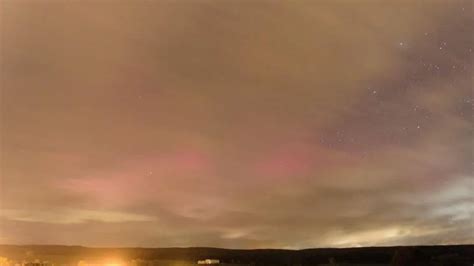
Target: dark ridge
(397,255)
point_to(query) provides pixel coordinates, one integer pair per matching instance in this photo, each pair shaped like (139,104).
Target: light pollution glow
(236,124)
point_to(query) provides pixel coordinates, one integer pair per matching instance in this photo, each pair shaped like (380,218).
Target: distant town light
(208,262)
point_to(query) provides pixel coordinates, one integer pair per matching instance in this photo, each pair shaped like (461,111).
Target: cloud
(258,124)
(72,216)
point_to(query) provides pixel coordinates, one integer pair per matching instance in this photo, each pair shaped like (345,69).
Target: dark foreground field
(415,255)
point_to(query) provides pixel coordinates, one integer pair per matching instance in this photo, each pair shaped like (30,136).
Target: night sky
(239,124)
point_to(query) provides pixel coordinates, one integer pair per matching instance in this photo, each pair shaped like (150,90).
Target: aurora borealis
(240,124)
